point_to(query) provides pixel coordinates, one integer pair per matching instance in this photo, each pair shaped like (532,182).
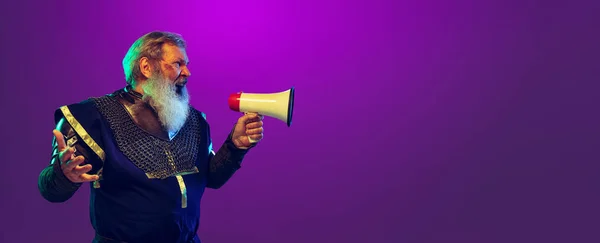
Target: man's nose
(185,72)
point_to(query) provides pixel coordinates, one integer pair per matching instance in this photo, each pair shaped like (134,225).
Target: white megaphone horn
(277,105)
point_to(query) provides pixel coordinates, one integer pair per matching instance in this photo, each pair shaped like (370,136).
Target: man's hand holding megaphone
(248,130)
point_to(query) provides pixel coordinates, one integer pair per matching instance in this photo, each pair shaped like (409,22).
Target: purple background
(470,121)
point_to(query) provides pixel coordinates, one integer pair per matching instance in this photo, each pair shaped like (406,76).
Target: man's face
(173,66)
(166,91)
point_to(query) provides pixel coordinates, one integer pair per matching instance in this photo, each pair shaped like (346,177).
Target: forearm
(54,186)
(225,162)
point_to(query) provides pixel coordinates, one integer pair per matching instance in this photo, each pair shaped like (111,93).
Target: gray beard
(172,107)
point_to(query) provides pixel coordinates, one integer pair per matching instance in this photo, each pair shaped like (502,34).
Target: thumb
(248,116)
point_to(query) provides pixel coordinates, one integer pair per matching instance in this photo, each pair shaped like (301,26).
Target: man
(147,153)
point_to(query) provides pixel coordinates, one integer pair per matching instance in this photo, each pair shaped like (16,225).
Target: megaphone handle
(249,138)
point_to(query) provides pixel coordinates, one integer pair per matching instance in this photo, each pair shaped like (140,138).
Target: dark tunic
(150,186)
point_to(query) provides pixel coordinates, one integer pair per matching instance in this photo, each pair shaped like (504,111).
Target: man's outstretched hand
(70,164)
(248,127)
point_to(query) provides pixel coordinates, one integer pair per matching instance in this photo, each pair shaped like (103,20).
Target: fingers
(88,178)
(251,117)
(60,140)
(83,178)
(77,173)
(70,164)
(259,117)
(253,125)
(255,134)
(73,163)
(256,137)
(249,128)
(79,170)
(66,155)
(255,131)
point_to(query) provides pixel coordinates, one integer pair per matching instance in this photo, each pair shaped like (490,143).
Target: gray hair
(150,46)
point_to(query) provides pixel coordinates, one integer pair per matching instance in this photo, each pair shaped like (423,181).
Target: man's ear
(145,67)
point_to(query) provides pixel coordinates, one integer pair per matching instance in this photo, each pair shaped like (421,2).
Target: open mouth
(179,87)
(181,84)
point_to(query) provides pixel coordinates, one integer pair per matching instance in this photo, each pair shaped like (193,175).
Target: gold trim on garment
(189,172)
(183,190)
(179,176)
(86,138)
(82,133)
(181,183)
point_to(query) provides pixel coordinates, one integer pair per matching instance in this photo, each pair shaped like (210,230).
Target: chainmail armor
(158,158)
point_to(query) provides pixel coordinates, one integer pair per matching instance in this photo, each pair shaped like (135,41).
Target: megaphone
(277,105)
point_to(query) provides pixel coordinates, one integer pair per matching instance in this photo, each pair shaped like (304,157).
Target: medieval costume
(150,185)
